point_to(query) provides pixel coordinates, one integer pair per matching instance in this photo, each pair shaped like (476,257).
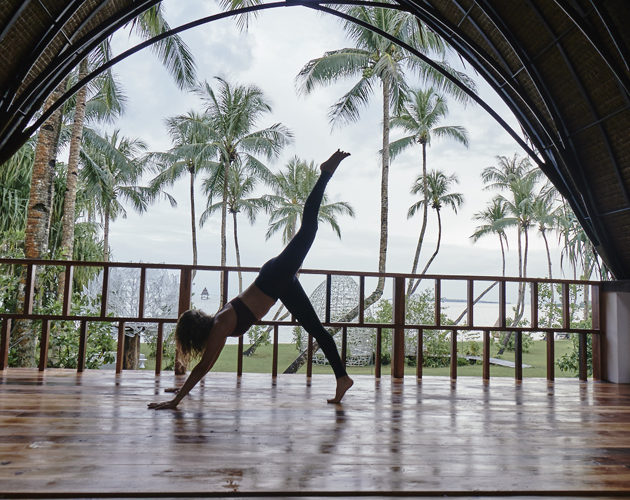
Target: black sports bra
(244,317)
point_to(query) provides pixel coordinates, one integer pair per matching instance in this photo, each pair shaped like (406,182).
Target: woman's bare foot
(343,384)
(331,164)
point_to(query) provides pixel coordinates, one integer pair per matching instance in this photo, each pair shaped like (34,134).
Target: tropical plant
(232,112)
(239,200)
(435,188)
(420,118)
(291,189)
(112,169)
(373,61)
(493,220)
(192,153)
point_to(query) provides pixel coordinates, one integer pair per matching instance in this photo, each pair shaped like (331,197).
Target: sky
(270,54)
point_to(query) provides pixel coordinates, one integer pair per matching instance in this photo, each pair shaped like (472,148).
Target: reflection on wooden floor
(91,435)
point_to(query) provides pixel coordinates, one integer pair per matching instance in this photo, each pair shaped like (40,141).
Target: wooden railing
(398,325)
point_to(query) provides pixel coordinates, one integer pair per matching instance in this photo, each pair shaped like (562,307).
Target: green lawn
(262,360)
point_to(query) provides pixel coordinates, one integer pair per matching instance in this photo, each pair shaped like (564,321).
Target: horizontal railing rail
(398,325)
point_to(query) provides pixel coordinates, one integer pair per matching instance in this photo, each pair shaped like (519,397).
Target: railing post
(81,356)
(104,291)
(141,292)
(185,288)
(239,357)
(486,355)
(398,341)
(582,362)
(420,354)
(518,356)
(43,345)
(274,367)
(309,358)
(534,304)
(454,355)
(598,338)
(120,348)
(551,357)
(5,341)
(377,360)
(159,348)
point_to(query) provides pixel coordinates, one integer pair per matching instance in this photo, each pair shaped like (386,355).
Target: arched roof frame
(482,33)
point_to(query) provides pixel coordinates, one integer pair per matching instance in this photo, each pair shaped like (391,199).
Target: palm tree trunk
(224,224)
(238,254)
(425,215)
(502,255)
(521,295)
(550,319)
(437,249)
(382,252)
(38,217)
(106,234)
(70,198)
(193,224)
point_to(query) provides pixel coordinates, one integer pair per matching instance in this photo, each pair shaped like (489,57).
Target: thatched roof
(563,66)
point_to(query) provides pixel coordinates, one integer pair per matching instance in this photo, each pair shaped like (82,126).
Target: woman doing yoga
(199,333)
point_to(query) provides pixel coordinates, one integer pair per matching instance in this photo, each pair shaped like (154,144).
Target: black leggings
(277,277)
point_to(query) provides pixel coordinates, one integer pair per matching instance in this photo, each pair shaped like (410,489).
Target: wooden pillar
(43,345)
(486,355)
(82,355)
(120,347)
(4,344)
(159,348)
(398,341)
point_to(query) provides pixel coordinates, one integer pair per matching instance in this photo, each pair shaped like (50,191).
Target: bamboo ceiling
(562,66)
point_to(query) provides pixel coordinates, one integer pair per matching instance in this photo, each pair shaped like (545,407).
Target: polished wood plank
(90,434)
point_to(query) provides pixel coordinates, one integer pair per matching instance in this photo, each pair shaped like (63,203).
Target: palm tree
(435,188)
(232,112)
(111,171)
(519,178)
(420,118)
(239,200)
(494,220)
(544,214)
(192,152)
(291,187)
(15,179)
(374,61)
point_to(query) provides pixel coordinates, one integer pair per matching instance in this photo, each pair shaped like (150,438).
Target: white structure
(344,297)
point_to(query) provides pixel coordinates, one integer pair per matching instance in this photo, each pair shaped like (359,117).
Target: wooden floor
(91,435)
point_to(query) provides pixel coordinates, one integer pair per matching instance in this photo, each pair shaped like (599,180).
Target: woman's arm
(195,376)
(222,327)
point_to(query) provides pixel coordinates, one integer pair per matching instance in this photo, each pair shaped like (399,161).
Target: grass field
(261,362)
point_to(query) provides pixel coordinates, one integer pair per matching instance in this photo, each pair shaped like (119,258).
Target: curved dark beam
(13,18)
(55,27)
(621,47)
(489,72)
(595,42)
(316,5)
(22,110)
